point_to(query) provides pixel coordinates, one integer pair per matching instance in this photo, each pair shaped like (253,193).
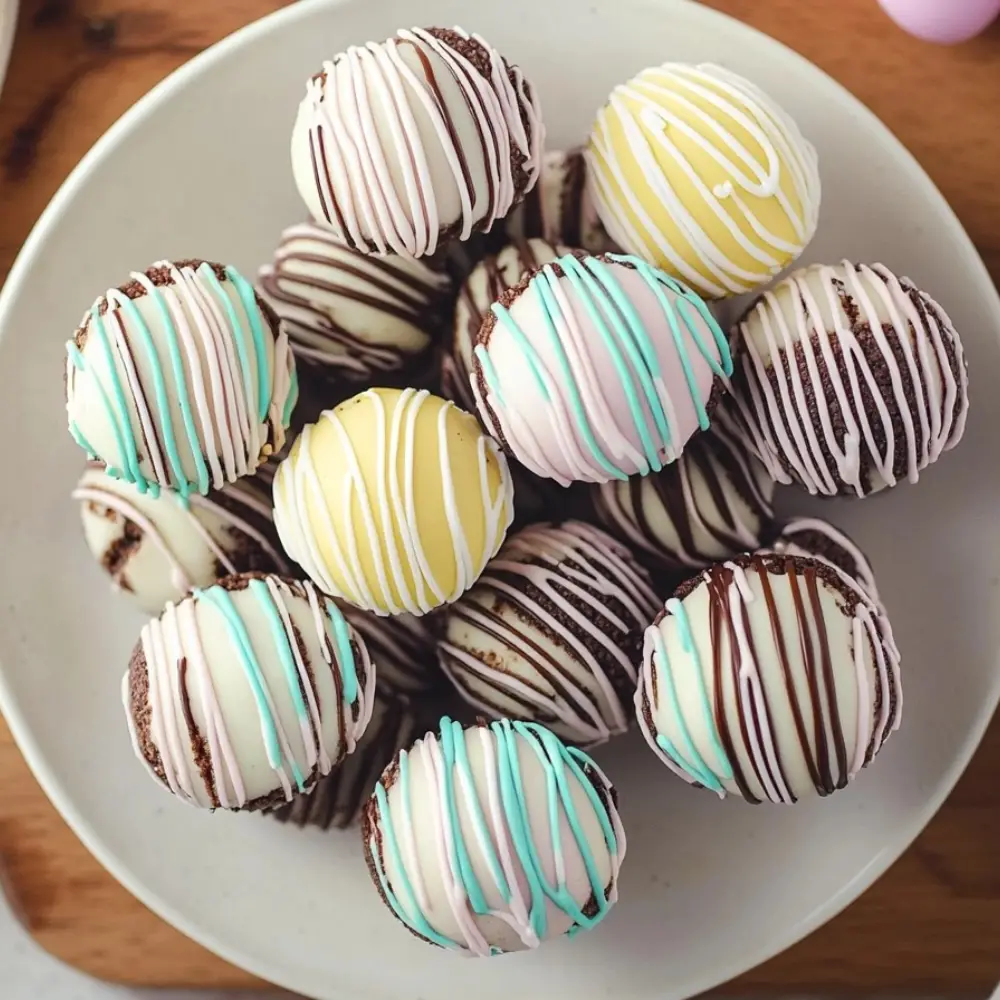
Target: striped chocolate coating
(552,631)
(715,501)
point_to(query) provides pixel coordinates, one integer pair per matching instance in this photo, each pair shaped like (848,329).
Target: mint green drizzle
(248,300)
(292,399)
(688,758)
(160,390)
(206,272)
(221,600)
(635,351)
(344,651)
(616,336)
(283,645)
(164,369)
(560,765)
(411,914)
(117,409)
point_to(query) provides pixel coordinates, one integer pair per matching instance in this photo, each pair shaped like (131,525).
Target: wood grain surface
(932,923)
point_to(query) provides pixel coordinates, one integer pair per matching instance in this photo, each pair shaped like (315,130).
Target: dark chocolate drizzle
(387,288)
(816,721)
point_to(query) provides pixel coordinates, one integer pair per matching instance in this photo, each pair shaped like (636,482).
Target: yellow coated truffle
(394,501)
(702,174)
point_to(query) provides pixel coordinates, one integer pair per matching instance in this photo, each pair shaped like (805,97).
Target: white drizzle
(563,686)
(389,511)
(666,98)
(776,418)
(175,640)
(365,169)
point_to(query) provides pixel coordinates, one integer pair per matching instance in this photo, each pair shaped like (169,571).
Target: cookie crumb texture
(770,677)
(851,380)
(244,694)
(157,549)
(552,632)
(450,131)
(536,839)
(182,379)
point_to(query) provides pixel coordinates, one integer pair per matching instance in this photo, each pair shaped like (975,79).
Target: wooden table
(933,922)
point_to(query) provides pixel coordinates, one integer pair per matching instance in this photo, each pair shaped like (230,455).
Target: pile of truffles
(471,480)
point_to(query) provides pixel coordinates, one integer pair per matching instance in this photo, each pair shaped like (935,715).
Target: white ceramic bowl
(200,167)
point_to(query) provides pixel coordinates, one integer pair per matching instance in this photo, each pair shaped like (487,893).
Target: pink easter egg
(946,22)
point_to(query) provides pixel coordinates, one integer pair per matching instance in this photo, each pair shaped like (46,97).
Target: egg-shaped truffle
(431,134)
(850,380)
(559,208)
(352,317)
(393,501)
(337,800)
(493,839)
(698,171)
(598,368)
(246,693)
(714,502)
(552,632)
(818,539)
(770,677)
(402,646)
(180,379)
(156,549)
(491,277)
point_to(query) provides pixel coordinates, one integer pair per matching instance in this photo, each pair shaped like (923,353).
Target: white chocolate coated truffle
(552,632)
(181,379)
(244,694)
(698,171)
(850,380)
(714,502)
(774,678)
(394,501)
(156,549)
(598,368)
(491,277)
(559,208)
(429,132)
(494,839)
(352,316)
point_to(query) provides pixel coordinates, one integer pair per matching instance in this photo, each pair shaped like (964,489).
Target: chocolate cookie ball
(850,380)
(248,692)
(770,677)
(180,379)
(156,549)
(535,824)
(427,136)
(552,632)
(351,317)
(714,502)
